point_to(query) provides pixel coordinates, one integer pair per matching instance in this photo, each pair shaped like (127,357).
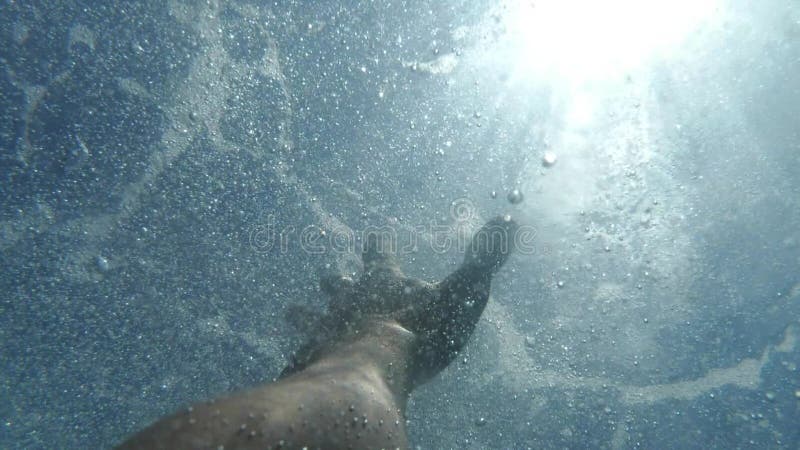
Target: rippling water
(175,174)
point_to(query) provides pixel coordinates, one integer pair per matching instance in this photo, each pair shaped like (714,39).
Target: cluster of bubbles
(515,196)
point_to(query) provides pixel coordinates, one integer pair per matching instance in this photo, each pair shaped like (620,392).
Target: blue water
(162,162)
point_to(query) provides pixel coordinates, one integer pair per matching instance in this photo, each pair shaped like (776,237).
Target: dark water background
(148,149)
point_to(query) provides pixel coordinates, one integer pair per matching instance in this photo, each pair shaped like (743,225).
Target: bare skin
(347,387)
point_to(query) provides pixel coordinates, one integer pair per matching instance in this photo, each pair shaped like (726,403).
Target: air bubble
(549,159)
(102,263)
(515,197)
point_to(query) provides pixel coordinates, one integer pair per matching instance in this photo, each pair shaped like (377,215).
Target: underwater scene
(178,177)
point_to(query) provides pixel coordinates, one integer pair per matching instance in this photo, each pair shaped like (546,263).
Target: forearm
(333,409)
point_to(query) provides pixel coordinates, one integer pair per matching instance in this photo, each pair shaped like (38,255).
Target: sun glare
(587,39)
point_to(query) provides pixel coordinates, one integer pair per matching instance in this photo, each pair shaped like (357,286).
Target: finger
(379,252)
(492,244)
(335,285)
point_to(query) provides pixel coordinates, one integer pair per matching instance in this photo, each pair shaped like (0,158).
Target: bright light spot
(549,158)
(589,39)
(581,109)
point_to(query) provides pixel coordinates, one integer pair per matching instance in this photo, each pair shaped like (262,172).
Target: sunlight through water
(584,40)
